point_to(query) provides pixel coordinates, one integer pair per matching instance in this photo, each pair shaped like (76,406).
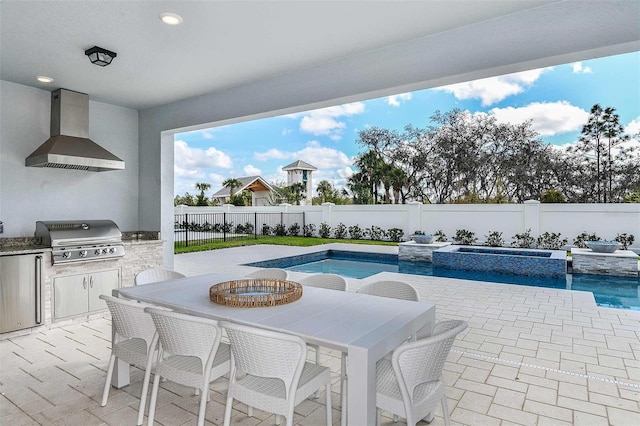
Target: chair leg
(445,410)
(203,398)
(344,385)
(278,419)
(154,398)
(250,411)
(328,396)
(395,418)
(316,395)
(227,411)
(145,390)
(378,415)
(107,382)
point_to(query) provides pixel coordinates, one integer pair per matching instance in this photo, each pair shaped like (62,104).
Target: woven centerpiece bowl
(255,292)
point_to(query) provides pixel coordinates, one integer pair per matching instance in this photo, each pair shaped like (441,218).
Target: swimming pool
(609,291)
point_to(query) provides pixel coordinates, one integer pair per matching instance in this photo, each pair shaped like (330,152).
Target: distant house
(300,172)
(259,188)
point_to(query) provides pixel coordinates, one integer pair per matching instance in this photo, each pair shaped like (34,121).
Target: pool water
(609,291)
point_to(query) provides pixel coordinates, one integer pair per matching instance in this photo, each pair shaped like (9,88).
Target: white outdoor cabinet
(79,294)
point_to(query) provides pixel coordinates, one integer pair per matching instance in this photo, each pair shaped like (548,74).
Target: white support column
(327,213)
(532,217)
(414,221)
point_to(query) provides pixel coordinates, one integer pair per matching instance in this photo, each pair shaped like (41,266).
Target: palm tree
(325,190)
(202,200)
(398,180)
(232,184)
(297,192)
(370,164)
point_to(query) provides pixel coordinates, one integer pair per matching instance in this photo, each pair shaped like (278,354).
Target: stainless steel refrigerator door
(20,291)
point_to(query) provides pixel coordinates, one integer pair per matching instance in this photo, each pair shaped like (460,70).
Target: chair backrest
(155,275)
(265,353)
(393,289)
(182,334)
(272,273)
(129,318)
(422,361)
(330,281)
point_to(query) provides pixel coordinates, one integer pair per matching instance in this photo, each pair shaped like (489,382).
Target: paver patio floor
(531,356)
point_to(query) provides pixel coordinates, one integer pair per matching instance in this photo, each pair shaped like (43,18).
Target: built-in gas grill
(81,240)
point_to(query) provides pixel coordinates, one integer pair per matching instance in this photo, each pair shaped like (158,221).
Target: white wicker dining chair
(328,281)
(190,353)
(384,288)
(269,371)
(135,341)
(331,282)
(411,384)
(155,275)
(389,288)
(270,273)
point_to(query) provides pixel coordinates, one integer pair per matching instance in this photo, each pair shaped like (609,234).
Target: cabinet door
(102,283)
(70,295)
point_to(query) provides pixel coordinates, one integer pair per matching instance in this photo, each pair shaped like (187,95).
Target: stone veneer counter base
(411,250)
(620,263)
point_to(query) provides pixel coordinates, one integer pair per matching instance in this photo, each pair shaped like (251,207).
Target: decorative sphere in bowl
(603,246)
(423,239)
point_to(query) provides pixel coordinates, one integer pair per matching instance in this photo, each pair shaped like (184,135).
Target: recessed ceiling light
(44,79)
(170,18)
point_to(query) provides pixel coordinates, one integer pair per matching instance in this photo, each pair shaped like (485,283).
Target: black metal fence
(203,228)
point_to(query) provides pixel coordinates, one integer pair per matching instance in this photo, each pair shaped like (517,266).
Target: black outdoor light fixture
(99,56)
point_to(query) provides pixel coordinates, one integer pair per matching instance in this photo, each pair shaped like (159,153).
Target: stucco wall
(29,194)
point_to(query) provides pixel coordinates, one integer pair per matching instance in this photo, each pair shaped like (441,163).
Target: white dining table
(365,327)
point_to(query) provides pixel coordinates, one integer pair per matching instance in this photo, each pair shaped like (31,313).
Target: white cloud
(495,89)
(187,157)
(548,118)
(323,157)
(579,69)
(395,100)
(633,128)
(250,170)
(326,121)
(272,154)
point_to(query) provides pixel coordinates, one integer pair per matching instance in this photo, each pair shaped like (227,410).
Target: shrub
(239,229)
(550,241)
(395,234)
(294,230)
(375,233)
(227,227)
(441,237)
(552,196)
(582,238)
(248,228)
(325,230)
(465,237)
(625,240)
(355,232)
(524,240)
(309,230)
(494,239)
(340,232)
(266,229)
(418,233)
(280,230)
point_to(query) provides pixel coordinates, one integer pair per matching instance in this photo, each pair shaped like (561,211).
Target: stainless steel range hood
(69,146)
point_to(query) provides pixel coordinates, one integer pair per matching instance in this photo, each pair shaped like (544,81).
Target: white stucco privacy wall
(570,220)
(29,194)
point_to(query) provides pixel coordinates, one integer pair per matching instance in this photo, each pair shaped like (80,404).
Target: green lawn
(284,241)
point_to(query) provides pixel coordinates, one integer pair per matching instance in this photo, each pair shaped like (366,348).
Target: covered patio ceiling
(340,50)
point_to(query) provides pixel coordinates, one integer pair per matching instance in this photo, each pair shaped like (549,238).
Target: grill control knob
(83,253)
(112,250)
(97,252)
(66,254)
(105,251)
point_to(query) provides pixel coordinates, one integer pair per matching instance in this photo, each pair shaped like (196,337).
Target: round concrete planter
(603,246)
(423,239)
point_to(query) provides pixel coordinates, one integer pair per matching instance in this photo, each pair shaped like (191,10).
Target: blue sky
(557,99)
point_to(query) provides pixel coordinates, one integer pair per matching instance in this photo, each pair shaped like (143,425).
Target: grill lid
(69,233)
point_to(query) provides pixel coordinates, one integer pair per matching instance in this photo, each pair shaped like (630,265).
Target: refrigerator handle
(38,289)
